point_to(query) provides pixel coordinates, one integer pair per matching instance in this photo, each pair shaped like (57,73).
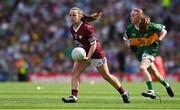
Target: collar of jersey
(77,27)
(136,27)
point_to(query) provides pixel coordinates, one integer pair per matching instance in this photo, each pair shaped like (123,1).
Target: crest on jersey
(80,36)
(145,35)
(133,34)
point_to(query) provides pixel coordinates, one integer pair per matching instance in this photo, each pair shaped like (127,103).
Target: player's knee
(75,75)
(142,68)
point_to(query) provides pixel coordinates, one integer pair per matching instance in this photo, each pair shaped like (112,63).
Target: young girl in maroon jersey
(84,36)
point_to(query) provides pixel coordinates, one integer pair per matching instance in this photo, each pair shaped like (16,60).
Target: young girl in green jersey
(143,38)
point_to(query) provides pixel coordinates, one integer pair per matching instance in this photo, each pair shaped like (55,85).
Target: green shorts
(149,53)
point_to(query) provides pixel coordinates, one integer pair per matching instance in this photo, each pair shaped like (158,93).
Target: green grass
(98,96)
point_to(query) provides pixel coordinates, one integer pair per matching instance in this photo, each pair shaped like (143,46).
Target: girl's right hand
(86,58)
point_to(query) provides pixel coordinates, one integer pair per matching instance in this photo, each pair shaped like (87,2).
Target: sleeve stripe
(92,39)
(93,42)
(163,28)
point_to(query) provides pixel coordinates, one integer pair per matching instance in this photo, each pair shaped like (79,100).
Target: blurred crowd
(35,37)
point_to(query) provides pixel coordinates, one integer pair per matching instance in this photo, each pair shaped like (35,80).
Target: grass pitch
(91,96)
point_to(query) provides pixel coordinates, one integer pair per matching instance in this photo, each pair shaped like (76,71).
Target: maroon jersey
(84,37)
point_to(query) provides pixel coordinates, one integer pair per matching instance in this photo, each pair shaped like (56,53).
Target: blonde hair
(143,19)
(88,18)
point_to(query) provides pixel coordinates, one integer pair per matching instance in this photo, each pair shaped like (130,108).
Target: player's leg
(78,67)
(152,69)
(104,71)
(144,64)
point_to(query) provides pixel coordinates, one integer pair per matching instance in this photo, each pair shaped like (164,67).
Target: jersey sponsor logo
(75,35)
(77,42)
(143,41)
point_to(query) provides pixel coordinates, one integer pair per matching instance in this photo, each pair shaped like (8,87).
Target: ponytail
(143,20)
(88,18)
(91,17)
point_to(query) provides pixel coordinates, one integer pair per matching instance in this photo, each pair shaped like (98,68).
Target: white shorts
(98,62)
(146,55)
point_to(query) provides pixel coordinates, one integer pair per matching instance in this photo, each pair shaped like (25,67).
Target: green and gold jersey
(143,42)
